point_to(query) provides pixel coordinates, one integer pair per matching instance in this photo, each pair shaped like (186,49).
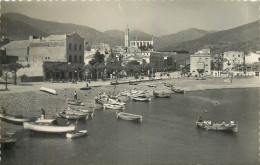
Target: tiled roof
(54,37)
(48,44)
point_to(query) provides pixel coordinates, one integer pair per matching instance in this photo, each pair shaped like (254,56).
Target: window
(70,46)
(28,49)
(80,59)
(80,47)
(75,59)
(27,59)
(69,58)
(238,55)
(75,47)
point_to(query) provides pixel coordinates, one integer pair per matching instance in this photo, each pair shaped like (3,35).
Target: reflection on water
(167,135)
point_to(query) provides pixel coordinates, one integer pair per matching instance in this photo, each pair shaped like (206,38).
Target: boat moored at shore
(129,116)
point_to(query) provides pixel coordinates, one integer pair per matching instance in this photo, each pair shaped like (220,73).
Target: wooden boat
(39,120)
(161,94)
(48,90)
(129,116)
(48,127)
(74,102)
(72,115)
(76,134)
(113,106)
(178,90)
(14,119)
(144,99)
(217,126)
(90,113)
(125,93)
(85,88)
(151,85)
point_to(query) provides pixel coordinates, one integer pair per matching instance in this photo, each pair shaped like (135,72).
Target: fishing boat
(143,99)
(14,119)
(178,90)
(48,90)
(86,111)
(129,116)
(161,94)
(73,115)
(208,125)
(48,127)
(76,134)
(113,106)
(39,120)
(74,102)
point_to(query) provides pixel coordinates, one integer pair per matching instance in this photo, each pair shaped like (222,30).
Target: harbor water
(167,135)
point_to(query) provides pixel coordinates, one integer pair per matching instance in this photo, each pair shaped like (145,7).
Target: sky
(150,16)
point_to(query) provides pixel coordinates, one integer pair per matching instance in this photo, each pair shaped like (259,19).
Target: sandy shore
(27,99)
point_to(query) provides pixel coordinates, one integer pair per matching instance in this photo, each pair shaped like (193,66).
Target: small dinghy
(73,115)
(113,106)
(232,126)
(178,90)
(14,119)
(151,85)
(140,98)
(129,116)
(76,134)
(74,102)
(161,94)
(48,127)
(48,90)
(85,88)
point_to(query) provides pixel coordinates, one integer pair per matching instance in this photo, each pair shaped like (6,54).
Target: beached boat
(48,90)
(125,93)
(161,94)
(151,85)
(113,106)
(74,102)
(73,115)
(129,116)
(143,99)
(86,111)
(76,134)
(176,90)
(14,119)
(232,126)
(85,88)
(104,98)
(48,127)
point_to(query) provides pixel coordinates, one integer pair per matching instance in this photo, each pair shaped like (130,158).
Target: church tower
(127,37)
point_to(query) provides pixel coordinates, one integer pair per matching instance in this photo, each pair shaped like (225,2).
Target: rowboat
(84,111)
(76,134)
(48,127)
(177,90)
(14,119)
(232,126)
(129,116)
(74,102)
(48,90)
(151,85)
(113,106)
(72,115)
(85,88)
(161,94)
(144,99)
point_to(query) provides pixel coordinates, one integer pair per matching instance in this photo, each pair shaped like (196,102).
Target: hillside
(232,39)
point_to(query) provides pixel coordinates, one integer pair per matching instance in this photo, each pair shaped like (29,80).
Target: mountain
(231,39)
(185,35)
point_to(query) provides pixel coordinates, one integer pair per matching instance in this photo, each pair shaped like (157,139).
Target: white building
(200,65)
(231,59)
(252,58)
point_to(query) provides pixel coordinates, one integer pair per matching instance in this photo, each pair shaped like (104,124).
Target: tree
(13,67)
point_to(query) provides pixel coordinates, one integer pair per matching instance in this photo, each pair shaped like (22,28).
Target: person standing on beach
(43,113)
(75,95)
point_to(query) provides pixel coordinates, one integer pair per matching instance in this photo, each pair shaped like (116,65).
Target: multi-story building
(231,59)
(52,57)
(200,65)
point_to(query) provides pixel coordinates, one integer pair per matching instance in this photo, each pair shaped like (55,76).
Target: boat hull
(13,119)
(48,90)
(77,134)
(48,128)
(217,127)
(128,116)
(74,116)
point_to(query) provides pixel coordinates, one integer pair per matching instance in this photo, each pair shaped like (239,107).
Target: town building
(231,59)
(59,57)
(251,58)
(200,65)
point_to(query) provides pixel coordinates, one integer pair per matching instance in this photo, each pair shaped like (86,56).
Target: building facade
(53,57)
(252,58)
(200,65)
(231,59)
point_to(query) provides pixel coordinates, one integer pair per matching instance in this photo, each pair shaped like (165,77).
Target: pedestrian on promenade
(43,114)
(75,95)
(3,110)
